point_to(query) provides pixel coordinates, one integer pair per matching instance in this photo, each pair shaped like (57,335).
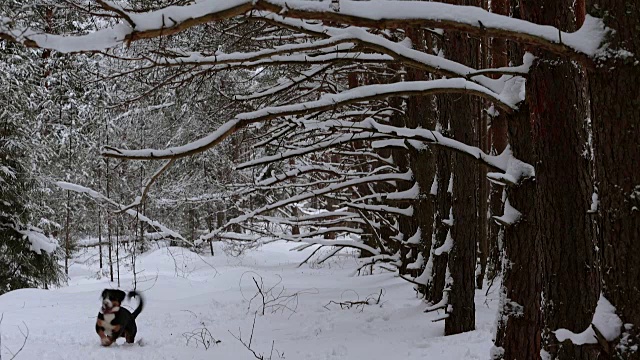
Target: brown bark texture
(557,98)
(519,321)
(565,231)
(518,333)
(462,257)
(615,110)
(442,199)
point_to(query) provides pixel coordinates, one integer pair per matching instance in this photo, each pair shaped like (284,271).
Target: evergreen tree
(26,255)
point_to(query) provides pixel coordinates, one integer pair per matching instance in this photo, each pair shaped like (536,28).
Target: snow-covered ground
(186,292)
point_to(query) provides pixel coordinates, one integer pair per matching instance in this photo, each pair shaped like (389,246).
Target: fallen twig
(358,304)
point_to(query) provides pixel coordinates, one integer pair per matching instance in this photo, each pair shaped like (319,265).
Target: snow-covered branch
(327,102)
(99,197)
(373,14)
(308,195)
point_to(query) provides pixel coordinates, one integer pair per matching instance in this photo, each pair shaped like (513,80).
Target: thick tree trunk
(462,258)
(557,103)
(434,274)
(615,112)
(483,142)
(519,323)
(565,229)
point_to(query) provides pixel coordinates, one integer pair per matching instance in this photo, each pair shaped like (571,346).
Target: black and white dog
(115,321)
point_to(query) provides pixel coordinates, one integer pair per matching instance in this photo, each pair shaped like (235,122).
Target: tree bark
(519,320)
(421,113)
(615,112)
(557,102)
(519,323)
(436,282)
(462,257)
(497,143)
(407,226)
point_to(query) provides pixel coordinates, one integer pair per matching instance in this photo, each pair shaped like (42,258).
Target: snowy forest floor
(186,293)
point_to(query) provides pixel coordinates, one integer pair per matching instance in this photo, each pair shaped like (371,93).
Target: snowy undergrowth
(186,292)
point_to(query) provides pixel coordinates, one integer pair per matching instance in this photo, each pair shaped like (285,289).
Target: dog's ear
(104,293)
(120,295)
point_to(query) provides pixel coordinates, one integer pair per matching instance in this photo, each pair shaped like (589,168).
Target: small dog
(115,321)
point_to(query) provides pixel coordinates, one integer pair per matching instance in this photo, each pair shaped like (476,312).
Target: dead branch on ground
(371,299)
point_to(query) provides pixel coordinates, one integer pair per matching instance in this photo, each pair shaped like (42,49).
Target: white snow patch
(510,216)
(415,238)
(446,247)
(434,186)
(604,319)
(186,292)
(39,241)
(594,202)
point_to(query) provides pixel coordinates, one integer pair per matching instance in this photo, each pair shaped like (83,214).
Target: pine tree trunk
(615,112)
(118,250)
(519,323)
(109,239)
(100,237)
(420,113)
(519,320)
(482,184)
(67,240)
(565,231)
(406,224)
(497,143)
(462,257)
(436,283)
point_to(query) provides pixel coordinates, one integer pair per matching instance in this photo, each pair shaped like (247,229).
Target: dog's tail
(138,310)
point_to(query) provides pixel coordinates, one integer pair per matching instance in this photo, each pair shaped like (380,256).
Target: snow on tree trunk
(615,113)
(442,203)
(498,142)
(421,113)
(519,322)
(407,225)
(462,258)
(556,95)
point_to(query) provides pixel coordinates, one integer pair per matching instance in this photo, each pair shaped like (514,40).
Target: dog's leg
(116,332)
(130,332)
(104,339)
(129,337)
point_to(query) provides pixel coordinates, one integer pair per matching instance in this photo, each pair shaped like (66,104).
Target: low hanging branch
(325,103)
(308,195)
(409,57)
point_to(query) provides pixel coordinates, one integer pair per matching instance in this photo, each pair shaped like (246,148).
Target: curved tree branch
(580,45)
(325,103)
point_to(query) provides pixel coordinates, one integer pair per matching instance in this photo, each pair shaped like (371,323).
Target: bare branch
(140,199)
